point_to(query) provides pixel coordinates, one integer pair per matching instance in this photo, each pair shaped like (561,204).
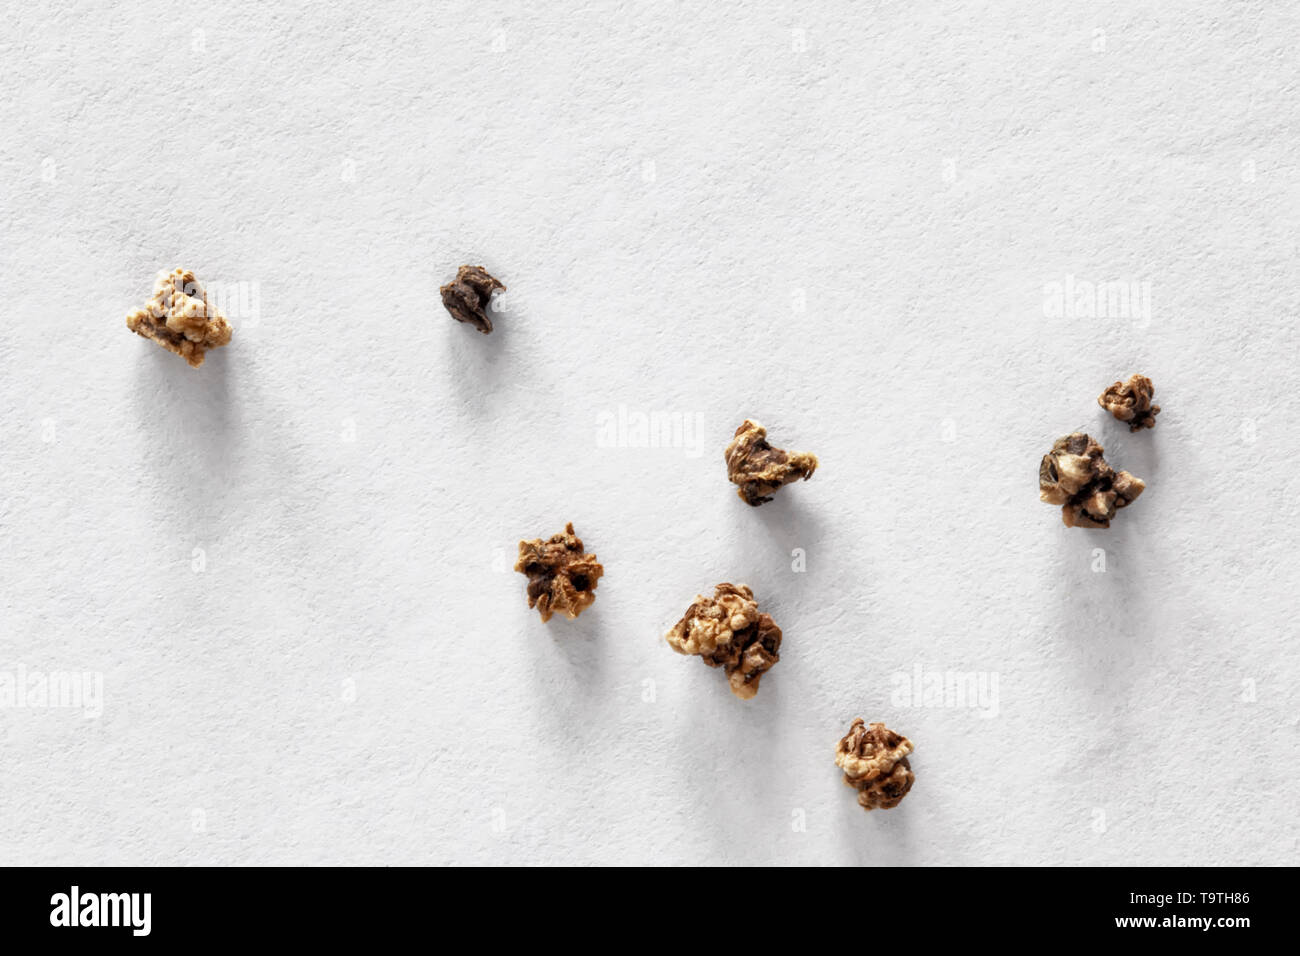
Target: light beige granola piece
(180,318)
(728,631)
(874,761)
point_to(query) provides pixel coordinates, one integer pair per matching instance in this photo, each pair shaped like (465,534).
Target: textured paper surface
(290,569)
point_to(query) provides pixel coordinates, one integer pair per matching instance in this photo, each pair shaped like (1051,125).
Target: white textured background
(353,675)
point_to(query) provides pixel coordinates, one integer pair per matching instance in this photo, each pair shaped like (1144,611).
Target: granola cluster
(466,297)
(874,761)
(1130,402)
(180,318)
(561,575)
(728,631)
(1075,476)
(760,469)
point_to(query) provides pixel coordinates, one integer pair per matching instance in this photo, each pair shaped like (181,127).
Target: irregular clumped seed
(874,761)
(1075,476)
(180,317)
(466,297)
(728,631)
(759,469)
(1130,402)
(561,575)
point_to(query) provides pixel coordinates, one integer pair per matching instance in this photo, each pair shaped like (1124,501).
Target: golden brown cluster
(466,296)
(561,575)
(180,318)
(874,761)
(1130,402)
(728,631)
(759,469)
(1075,476)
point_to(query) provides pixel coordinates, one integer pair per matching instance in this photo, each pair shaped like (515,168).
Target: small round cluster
(1130,402)
(874,761)
(180,318)
(466,297)
(561,575)
(1075,476)
(728,631)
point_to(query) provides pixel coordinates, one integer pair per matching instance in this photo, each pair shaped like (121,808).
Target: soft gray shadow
(186,414)
(785,518)
(1099,625)
(570,684)
(1139,454)
(481,366)
(576,640)
(878,837)
(581,646)
(743,737)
